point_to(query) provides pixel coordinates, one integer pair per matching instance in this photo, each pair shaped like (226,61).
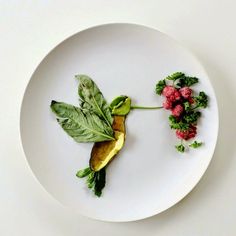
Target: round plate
(148,176)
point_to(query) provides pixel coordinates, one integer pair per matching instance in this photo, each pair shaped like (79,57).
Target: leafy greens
(81,125)
(92,99)
(95,180)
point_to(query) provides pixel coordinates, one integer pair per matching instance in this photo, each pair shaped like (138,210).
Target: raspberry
(171,93)
(168,91)
(167,104)
(171,98)
(177,110)
(177,95)
(186,92)
(187,134)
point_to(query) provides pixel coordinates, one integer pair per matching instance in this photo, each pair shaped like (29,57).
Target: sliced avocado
(103,152)
(119,123)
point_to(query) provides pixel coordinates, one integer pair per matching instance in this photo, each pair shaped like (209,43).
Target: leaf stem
(143,107)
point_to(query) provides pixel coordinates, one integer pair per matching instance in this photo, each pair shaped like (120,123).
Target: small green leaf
(187,106)
(160,86)
(187,81)
(175,124)
(201,100)
(120,106)
(191,117)
(91,180)
(175,76)
(84,172)
(118,101)
(95,180)
(195,144)
(180,148)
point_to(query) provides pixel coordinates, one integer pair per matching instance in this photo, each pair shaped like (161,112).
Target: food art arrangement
(103,124)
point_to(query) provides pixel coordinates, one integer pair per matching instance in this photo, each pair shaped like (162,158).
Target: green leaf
(100,182)
(187,81)
(191,117)
(92,98)
(175,124)
(195,144)
(187,106)
(120,106)
(160,86)
(201,100)
(175,76)
(91,180)
(118,101)
(180,148)
(81,125)
(83,173)
(96,181)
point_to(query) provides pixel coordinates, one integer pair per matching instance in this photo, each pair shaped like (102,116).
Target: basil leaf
(92,98)
(81,125)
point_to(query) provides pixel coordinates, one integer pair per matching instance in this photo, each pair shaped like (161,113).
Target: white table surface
(30,29)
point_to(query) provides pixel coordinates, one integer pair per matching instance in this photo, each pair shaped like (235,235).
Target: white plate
(148,176)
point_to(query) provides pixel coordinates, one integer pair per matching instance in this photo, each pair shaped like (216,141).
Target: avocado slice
(103,152)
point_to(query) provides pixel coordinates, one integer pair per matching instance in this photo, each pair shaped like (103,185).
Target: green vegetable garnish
(191,117)
(81,125)
(95,180)
(201,100)
(175,124)
(187,81)
(120,105)
(160,86)
(175,76)
(92,98)
(195,144)
(180,148)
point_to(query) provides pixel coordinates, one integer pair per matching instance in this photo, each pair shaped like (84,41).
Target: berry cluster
(184,106)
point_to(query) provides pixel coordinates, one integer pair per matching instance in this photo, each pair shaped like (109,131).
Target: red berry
(186,92)
(171,98)
(167,104)
(187,134)
(181,134)
(177,110)
(171,93)
(168,91)
(177,95)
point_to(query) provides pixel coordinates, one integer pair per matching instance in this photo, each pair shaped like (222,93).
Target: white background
(30,29)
